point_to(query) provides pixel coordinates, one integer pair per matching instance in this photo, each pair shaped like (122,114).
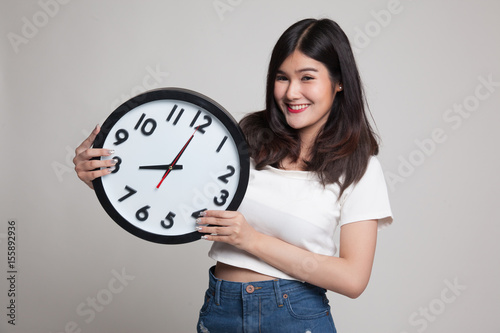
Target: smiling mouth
(297,108)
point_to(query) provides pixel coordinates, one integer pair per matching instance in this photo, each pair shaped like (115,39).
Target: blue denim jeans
(266,306)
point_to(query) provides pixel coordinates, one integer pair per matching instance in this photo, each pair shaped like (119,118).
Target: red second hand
(176,159)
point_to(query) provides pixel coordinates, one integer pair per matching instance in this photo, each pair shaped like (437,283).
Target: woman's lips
(296,108)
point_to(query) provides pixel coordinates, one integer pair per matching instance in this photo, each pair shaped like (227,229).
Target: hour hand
(162,167)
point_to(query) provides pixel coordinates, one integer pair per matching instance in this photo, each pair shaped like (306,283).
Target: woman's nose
(293,90)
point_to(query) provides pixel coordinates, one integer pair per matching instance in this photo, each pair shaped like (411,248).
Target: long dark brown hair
(346,142)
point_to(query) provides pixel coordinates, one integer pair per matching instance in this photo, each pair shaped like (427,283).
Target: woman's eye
(281,78)
(307,78)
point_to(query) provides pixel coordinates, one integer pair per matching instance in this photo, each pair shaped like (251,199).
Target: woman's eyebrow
(307,69)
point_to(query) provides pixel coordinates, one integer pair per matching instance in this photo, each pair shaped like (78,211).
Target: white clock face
(175,159)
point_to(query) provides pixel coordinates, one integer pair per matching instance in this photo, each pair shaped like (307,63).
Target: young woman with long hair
(313,171)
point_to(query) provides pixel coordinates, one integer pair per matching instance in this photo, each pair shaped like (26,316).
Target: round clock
(178,153)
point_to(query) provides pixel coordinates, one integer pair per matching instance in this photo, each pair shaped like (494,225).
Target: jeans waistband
(278,287)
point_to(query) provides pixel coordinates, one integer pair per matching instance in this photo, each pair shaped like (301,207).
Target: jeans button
(250,289)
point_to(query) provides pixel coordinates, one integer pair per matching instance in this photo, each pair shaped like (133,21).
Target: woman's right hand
(88,169)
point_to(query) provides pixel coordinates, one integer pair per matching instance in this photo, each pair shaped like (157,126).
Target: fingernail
(203,213)
(199,228)
(113,161)
(111,169)
(111,152)
(198,220)
(204,237)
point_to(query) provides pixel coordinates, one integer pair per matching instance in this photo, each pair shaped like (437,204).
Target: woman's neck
(289,164)
(306,146)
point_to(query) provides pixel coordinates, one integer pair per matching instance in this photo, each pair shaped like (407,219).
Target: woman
(313,169)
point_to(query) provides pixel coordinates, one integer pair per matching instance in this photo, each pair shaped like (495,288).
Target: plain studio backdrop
(432,80)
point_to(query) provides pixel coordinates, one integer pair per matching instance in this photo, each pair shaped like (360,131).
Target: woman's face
(304,93)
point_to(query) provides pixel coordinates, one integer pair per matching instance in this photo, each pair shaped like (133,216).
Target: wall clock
(178,153)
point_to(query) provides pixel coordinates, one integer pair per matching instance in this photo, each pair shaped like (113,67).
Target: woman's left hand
(227,226)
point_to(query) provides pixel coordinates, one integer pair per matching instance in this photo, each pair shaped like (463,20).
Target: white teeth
(298,107)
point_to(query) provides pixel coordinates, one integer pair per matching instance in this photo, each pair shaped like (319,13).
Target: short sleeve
(367,199)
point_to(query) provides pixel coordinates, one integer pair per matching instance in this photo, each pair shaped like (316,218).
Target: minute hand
(176,159)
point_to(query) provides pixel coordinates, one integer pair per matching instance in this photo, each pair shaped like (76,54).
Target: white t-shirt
(295,207)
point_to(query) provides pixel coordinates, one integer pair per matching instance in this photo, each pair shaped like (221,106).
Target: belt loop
(277,292)
(217,291)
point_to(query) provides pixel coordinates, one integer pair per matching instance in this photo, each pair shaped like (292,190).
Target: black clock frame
(199,100)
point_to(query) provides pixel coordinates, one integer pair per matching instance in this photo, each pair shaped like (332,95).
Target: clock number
(142,214)
(224,178)
(197,213)
(121,136)
(223,197)
(195,118)
(117,165)
(131,192)
(144,127)
(171,114)
(221,144)
(201,128)
(170,219)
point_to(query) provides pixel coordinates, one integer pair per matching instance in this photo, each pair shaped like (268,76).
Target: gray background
(66,65)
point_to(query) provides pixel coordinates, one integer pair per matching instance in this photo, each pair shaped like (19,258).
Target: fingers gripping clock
(178,153)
